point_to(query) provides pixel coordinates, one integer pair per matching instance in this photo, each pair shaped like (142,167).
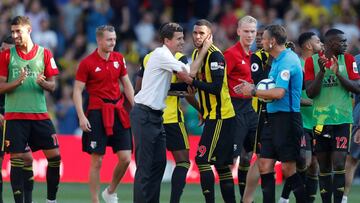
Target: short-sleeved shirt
(101,76)
(49,71)
(213,105)
(357,60)
(157,78)
(287,73)
(351,68)
(238,67)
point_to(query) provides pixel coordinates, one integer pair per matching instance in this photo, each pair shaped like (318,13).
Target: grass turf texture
(79,193)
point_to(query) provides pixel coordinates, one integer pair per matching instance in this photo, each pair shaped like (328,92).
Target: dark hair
(304,37)
(278,32)
(331,33)
(21,20)
(203,22)
(167,30)
(102,28)
(7,39)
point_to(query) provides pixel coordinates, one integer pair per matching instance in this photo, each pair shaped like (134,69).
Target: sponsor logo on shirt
(285,75)
(330,81)
(242,62)
(97,69)
(216,65)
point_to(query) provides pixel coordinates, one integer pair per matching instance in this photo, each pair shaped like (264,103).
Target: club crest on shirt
(285,75)
(93,144)
(116,64)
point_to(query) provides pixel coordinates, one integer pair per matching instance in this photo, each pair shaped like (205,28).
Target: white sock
(344,199)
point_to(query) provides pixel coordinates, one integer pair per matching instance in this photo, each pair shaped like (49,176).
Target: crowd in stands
(67,28)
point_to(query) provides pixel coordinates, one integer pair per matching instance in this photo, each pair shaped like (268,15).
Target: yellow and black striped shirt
(172,112)
(260,68)
(211,82)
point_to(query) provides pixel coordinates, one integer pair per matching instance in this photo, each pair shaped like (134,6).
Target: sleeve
(170,63)
(50,64)
(229,61)
(351,67)
(217,66)
(4,63)
(123,70)
(283,78)
(183,59)
(309,69)
(82,72)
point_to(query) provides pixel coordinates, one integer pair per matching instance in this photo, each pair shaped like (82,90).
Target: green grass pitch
(79,193)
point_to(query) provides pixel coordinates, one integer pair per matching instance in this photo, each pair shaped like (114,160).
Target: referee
(283,144)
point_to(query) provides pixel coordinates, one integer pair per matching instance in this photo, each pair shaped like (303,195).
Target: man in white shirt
(146,116)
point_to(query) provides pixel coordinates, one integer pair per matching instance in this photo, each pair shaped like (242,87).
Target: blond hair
(247,19)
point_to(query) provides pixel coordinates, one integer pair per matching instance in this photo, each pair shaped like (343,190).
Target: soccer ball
(265,84)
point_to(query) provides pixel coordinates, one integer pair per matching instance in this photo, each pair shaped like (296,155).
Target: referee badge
(285,75)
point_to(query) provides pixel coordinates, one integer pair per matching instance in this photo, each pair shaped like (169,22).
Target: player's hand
(40,78)
(357,136)
(23,75)
(244,88)
(85,124)
(322,63)
(191,90)
(208,42)
(201,120)
(334,65)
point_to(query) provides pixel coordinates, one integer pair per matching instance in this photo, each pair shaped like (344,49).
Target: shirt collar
(241,49)
(98,57)
(282,54)
(167,49)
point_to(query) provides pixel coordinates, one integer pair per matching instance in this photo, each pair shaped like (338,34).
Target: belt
(146,108)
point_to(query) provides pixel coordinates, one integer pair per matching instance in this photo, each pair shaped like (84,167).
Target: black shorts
(36,134)
(283,143)
(336,138)
(97,140)
(216,142)
(263,129)
(176,136)
(245,131)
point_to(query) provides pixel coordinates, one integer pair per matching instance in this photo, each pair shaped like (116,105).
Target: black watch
(253,92)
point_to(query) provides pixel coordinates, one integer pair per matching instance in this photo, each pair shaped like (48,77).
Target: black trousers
(150,153)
